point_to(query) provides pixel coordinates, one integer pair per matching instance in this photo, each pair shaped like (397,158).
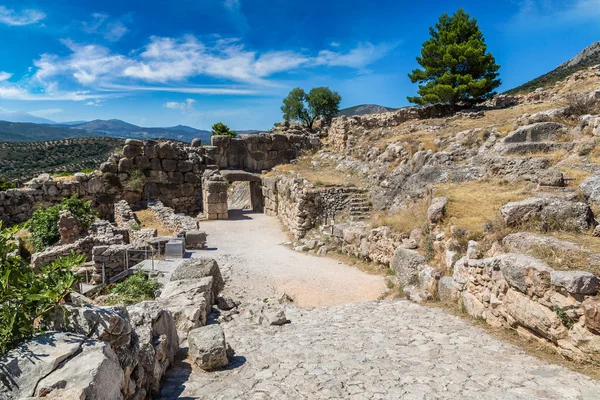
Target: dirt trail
(250,252)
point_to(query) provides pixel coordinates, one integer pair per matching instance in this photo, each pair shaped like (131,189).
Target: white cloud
(171,64)
(95,103)
(46,113)
(24,17)
(85,64)
(101,24)
(192,89)
(4,76)
(358,57)
(232,5)
(186,105)
(542,14)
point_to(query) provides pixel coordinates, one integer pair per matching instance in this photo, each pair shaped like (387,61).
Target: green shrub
(138,287)
(43,223)
(26,295)
(135,181)
(5,185)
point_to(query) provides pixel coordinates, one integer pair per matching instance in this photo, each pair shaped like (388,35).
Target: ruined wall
(259,152)
(146,170)
(171,220)
(169,171)
(516,291)
(17,205)
(300,205)
(345,130)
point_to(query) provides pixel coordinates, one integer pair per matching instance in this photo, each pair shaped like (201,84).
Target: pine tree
(457,67)
(220,129)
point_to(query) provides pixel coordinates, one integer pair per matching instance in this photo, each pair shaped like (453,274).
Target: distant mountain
(364,109)
(21,116)
(71,123)
(27,132)
(588,57)
(183,128)
(118,128)
(112,128)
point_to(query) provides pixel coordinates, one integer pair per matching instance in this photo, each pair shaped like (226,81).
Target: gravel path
(256,264)
(361,350)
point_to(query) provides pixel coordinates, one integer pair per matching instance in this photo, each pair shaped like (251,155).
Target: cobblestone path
(375,350)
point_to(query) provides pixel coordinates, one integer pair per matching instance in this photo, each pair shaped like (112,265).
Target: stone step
(535,147)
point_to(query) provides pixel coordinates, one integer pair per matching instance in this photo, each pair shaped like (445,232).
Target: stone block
(155,164)
(591,310)
(575,282)
(184,165)
(169,165)
(533,315)
(142,162)
(208,348)
(125,165)
(175,178)
(195,239)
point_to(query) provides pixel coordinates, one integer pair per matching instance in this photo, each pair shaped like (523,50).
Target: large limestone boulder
(534,316)
(189,301)
(537,132)
(550,214)
(208,348)
(20,373)
(407,264)
(69,227)
(437,209)
(575,282)
(109,324)
(526,241)
(61,365)
(94,373)
(520,211)
(524,273)
(591,188)
(155,347)
(198,268)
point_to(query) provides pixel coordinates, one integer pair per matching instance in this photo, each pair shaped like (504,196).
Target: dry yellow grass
(573,175)
(471,204)
(404,220)
(148,220)
(320,175)
(69,178)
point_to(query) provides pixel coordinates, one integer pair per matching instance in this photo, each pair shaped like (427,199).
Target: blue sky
(163,63)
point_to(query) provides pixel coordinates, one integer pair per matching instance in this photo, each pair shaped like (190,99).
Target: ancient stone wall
(168,171)
(124,216)
(174,222)
(343,129)
(300,205)
(214,197)
(147,170)
(100,234)
(516,291)
(258,152)
(17,205)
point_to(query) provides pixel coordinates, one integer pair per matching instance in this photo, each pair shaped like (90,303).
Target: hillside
(588,57)
(28,132)
(364,109)
(118,128)
(21,161)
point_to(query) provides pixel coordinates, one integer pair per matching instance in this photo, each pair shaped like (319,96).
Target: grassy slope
(20,161)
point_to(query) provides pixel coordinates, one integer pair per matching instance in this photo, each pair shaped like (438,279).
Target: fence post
(103,274)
